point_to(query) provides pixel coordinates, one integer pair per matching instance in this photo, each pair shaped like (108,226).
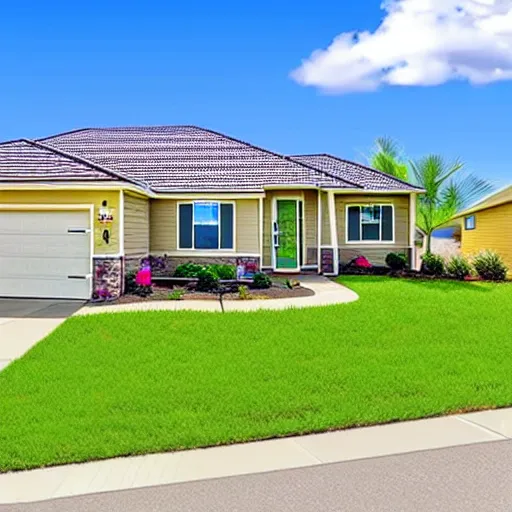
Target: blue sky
(227,66)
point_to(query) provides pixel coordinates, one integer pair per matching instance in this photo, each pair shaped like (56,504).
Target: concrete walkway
(257,457)
(327,293)
(24,322)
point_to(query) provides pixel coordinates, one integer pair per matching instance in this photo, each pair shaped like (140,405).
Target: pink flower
(362,262)
(143,277)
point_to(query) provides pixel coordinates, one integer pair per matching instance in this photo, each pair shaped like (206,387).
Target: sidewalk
(24,322)
(256,457)
(327,293)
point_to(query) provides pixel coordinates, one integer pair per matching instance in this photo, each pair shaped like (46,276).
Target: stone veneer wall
(108,278)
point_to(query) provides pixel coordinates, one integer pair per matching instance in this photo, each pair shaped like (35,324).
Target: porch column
(261,227)
(412,229)
(319,230)
(334,230)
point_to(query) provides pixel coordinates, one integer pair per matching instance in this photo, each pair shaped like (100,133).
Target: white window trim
(201,251)
(369,242)
(473,216)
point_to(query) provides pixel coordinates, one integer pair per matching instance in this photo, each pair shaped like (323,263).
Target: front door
(286,239)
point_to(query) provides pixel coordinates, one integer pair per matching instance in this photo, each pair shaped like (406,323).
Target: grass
(133,383)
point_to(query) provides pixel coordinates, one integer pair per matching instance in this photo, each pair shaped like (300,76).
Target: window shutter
(226,226)
(387,223)
(354,218)
(185,221)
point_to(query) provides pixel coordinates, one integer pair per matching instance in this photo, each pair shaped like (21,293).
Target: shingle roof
(179,159)
(365,177)
(187,158)
(23,160)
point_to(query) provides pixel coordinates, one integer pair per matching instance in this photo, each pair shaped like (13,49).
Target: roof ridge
(85,161)
(76,130)
(279,155)
(332,175)
(5,142)
(365,167)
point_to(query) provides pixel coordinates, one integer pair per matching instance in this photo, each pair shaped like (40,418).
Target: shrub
(490,266)
(291,283)
(261,281)
(208,280)
(131,286)
(224,272)
(433,264)
(243,293)
(156,263)
(188,270)
(396,261)
(176,294)
(458,267)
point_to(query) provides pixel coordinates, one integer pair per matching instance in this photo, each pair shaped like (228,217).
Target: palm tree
(445,194)
(387,156)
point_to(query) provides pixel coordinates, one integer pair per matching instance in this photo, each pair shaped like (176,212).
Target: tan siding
(326,225)
(493,231)
(82,197)
(163,220)
(376,253)
(136,225)
(247,226)
(162,225)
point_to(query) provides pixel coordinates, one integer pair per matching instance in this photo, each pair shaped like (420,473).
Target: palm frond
(387,157)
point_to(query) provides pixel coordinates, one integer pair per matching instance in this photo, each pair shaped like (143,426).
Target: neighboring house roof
(23,160)
(187,158)
(362,175)
(498,198)
(180,159)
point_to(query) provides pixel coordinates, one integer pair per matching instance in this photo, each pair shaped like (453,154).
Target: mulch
(162,293)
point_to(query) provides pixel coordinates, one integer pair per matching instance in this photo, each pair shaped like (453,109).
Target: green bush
(208,280)
(396,261)
(188,270)
(458,267)
(224,272)
(433,264)
(490,266)
(192,270)
(176,294)
(261,281)
(130,286)
(243,293)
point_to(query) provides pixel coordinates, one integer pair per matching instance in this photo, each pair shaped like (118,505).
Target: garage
(45,253)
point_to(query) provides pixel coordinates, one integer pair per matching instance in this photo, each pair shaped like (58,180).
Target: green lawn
(135,383)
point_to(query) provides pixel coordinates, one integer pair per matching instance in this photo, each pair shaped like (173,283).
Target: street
(469,478)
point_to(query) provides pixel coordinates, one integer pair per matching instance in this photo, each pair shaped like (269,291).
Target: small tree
(445,194)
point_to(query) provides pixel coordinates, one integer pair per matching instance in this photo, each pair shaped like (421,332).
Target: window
(469,222)
(206,225)
(370,223)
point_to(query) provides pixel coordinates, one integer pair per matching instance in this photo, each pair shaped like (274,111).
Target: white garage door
(45,254)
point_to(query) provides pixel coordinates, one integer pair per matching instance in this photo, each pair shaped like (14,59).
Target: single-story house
(78,209)
(487,225)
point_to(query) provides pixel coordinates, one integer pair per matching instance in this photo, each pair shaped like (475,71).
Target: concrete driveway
(24,322)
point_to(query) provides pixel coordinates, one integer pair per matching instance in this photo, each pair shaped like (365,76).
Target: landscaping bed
(164,293)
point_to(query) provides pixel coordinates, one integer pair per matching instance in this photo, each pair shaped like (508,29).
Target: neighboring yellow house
(488,226)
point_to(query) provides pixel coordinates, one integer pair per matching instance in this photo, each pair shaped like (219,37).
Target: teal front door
(287,242)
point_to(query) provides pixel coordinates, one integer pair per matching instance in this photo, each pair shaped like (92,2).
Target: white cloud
(418,43)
